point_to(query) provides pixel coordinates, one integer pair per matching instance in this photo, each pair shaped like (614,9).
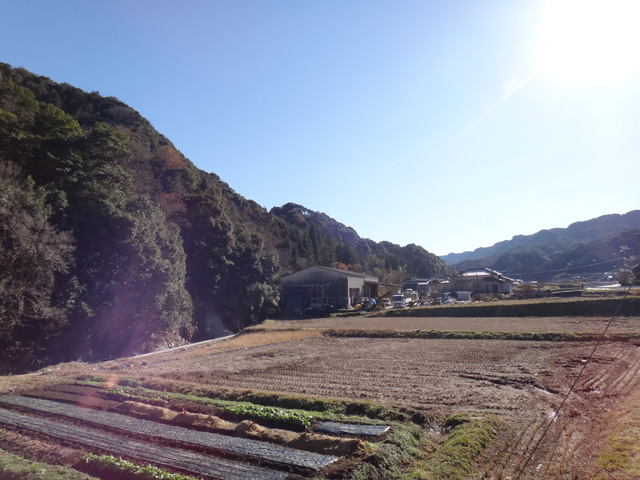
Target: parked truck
(411,297)
(399,301)
(408,298)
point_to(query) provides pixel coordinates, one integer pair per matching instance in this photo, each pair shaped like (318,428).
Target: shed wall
(298,289)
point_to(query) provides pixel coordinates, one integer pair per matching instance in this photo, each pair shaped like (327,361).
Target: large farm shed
(317,287)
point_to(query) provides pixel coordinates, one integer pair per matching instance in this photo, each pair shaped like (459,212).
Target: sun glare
(591,40)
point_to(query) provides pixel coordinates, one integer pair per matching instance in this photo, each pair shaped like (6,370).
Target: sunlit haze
(591,40)
(452,125)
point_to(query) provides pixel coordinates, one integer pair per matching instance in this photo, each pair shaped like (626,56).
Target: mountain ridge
(597,227)
(606,243)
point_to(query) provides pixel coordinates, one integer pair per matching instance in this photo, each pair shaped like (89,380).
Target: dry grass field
(522,383)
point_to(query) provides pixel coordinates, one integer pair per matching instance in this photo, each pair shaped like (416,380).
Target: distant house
(483,280)
(388,290)
(319,287)
(422,286)
(440,287)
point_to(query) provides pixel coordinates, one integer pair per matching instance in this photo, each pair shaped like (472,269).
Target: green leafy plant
(270,414)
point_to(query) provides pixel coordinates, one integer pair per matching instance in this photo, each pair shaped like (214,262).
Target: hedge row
(584,307)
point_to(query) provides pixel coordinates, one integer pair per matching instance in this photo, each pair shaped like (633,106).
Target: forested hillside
(112,242)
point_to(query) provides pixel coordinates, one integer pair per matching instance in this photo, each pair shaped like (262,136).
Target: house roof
(367,278)
(486,273)
(476,274)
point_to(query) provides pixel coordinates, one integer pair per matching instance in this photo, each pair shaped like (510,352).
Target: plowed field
(521,382)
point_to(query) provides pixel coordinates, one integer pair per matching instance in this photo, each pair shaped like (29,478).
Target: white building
(483,280)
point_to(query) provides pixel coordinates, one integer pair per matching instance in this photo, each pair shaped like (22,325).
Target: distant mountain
(587,246)
(113,243)
(327,242)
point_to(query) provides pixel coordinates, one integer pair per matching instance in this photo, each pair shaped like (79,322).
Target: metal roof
(368,278)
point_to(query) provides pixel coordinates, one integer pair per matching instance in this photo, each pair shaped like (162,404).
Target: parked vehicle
(399,301)
(411,298)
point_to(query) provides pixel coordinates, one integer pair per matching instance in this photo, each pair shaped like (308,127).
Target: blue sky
(452,125)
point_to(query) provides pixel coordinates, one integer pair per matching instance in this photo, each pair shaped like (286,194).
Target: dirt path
(196,463)
(240,446)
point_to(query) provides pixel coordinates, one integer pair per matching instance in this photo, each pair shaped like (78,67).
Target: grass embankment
(257,339)
(485,335)
(578,307)
(409,455)
(13,467)
(454,457)
(620,457)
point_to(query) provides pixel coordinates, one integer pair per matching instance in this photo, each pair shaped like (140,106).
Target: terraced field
(166,456)
(522,383)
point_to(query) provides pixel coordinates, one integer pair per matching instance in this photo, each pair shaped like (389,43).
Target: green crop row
(273,415)
(109,465)
(326,409)
(121,394)
(270,414)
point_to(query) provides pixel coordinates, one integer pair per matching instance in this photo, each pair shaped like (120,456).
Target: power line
(584,366)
